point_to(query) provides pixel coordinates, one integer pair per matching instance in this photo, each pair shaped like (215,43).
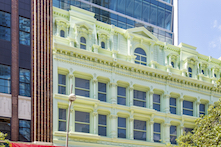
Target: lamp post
(71,98)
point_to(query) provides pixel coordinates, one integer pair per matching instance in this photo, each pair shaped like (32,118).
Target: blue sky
(200,25)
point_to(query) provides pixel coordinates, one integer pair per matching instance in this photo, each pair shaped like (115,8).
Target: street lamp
(71,98)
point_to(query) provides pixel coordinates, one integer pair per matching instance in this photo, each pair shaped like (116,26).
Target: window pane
(82,128)
(140,125)
(5,33)
(140,51)
(24,75)
(173,101)
(137,57)
(121,91)
(121,122)
(101,87)
(82,83)
(173,130)
(102,97)
(143,59)
(156,107)
(146,11)
(172,110)
(62,114)
(153,14)
(121,133)
(202,107)
(62,79)
(173,139)
(168,18)
(83,40)
(5,127)
(82,93)
(82,116)
(24,24)
(102,45)
(188,130)
(62,33)
(62,126)
(139,135)
(138,9)
(24,38)
(129,7)
(121,101)
(156,137)
(139,95)
(24,89)
(5,19)
(102,119)
(156,98)
(156,127)
(83,46)
(24,130)
(121,6)
(61,90)
(188,104)
(139,103)
(102,131)
(188,112)
(160,17)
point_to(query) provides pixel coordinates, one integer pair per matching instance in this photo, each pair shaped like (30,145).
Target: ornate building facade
(131,88)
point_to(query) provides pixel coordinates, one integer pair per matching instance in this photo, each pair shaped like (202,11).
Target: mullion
(82,89)
(139,100)
(80,122)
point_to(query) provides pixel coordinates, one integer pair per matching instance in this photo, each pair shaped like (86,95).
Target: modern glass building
(157,16)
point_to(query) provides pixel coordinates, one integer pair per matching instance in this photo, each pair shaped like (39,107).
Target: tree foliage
(207,131)
(3,140)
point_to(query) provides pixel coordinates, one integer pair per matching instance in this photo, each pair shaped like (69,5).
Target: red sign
(28,145)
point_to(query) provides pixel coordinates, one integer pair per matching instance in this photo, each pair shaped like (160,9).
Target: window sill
(78,135)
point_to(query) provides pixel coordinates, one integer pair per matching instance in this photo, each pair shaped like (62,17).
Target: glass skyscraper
(155,15)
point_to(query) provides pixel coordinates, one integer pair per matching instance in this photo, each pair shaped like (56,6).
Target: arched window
(83,43)
(102,45)
(62,34)
(141,57)
(190,72)
(172,63)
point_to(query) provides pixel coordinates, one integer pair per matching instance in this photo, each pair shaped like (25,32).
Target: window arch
(62,33)
(83,43)
(141,57)
(102,45)
(190,72)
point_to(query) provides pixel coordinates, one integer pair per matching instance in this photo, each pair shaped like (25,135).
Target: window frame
(156,103)
(8,27)
(25,127)
(173,105)
(83,44)
(103,47)
(27,32)
(102,125)
(61,33)
(141,55)
(155,132)
(5,79)
(82,89)
(101,92)
(204,112)
(22,82)
(84,123)
(138,130)
(190,73)
(136,99)
(122,128)
(62,120)
(62,84)
(122,96)
(187,108)
(172,135)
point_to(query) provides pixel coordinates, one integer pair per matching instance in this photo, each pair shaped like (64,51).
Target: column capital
(151,92)
(113,84)
(167,96)
(95,113)
(151,122)
(131,88)
(70,75)
(167,124)
(94,80)
(112,116)
(131,119)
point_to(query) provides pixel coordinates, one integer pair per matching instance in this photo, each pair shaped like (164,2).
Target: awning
(29,145)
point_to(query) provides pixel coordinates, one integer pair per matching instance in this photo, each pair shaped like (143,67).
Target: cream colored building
(131,88)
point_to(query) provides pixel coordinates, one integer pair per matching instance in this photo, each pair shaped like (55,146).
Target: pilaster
(113,87)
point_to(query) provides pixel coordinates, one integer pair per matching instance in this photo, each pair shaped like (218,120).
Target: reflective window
(83,43)
(24,30)
(186,130)
(202,71)
(5,24)
(173,105)
(24,82)
(102,125)
(102,92)
(139,98)
(172,63)
(61,84)
(25,130)
(62,120)
(188,108)
(102,45)
(121,127)
(5,79)
(141,57)
(202,109)
(82,122)
(121,95)
(190,72)
(156,102)
(62,33)
(139,130)
(156,132)
(5,128)
(173,134)
(82,87)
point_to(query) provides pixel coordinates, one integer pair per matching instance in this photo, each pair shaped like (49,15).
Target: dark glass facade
(155,15)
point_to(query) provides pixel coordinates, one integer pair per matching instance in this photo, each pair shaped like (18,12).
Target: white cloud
(215,24)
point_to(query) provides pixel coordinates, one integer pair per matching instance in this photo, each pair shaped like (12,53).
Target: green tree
(2,139)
